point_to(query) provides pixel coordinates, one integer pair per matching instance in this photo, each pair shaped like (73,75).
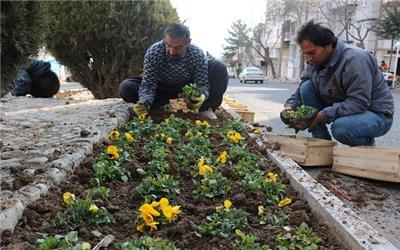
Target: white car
(252,74)
(389,78)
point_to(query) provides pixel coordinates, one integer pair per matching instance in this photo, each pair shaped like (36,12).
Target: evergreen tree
(388,27)
(238,38)
(22,31)
(104,42)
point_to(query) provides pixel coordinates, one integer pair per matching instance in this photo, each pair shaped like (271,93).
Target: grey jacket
(350,83)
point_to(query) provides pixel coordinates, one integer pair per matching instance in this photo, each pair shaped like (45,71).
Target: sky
(210,20)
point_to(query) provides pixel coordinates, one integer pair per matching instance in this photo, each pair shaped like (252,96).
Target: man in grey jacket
(346,86)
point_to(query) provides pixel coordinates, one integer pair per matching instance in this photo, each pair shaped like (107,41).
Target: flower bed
(181,183)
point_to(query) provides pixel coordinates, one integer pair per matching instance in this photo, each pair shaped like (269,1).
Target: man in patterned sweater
(169,65)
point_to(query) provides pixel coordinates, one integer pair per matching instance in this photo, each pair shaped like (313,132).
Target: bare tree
(343,12)
(259,42)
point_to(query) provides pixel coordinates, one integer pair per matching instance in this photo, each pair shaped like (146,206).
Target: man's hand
(285,110)
(197,102)
(140,109)
(319,119)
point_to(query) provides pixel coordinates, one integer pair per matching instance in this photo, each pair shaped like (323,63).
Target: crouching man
(169,65)
(345,85)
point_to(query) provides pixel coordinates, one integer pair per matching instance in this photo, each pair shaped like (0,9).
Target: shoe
(208,114)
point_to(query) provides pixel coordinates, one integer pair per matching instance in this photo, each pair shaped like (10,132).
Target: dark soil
(182,232)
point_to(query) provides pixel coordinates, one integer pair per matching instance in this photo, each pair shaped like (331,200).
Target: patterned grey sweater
(158,69)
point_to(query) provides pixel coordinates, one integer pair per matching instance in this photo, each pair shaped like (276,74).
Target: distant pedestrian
(384,67)
(37,80)
(345,85)
(169,65)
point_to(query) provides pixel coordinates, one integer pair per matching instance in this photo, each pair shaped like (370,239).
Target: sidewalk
(42,140)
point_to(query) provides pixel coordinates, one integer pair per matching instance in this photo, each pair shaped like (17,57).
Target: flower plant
(155,213)
(247,242)
(80,213)
(146,243)
(224,221)
(60,242)
(156,187)
(302,238)
(271,218)
(213,184)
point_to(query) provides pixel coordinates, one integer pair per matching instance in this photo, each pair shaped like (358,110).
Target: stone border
(344,222)
(61,167)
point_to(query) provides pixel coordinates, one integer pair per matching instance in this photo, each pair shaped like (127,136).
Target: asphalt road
(267,99)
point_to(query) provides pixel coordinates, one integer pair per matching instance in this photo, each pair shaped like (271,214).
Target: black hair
(45,85)
(317,34)
(177,30)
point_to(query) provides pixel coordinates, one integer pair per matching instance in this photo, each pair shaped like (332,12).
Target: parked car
(389,78)
(231,74)
(252,74)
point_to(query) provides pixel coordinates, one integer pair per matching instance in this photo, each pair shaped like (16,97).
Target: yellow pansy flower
(198,123)
(142,118)
(68,197)
(234,136)
(260,210)
(284,202)
(148,218)
(271,177)
(227,204)
(113,135)
(129,137)
(140,227)
(153,226)
(166,120)
(171,212)
(112,152)
(257,131)
(155,204)
(93,208)
(163,202)
(169,140)
(148,209)
(204,169)
(188,134)
(206,124)
(201,162)
(222,157)
(85,246)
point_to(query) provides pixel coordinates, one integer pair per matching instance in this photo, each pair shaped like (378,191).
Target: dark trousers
(217,78)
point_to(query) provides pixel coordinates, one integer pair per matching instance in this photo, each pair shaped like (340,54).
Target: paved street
(267,99)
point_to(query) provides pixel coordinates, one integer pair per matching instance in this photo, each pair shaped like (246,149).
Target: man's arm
(357,83)
(295,99)
(147,90)
(200,76)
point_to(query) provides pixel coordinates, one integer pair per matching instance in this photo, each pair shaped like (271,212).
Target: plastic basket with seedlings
(299,118)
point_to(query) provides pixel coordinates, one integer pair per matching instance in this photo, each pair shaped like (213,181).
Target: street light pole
(397,45)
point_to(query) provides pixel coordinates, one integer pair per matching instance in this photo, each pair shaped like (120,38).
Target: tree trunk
(390,58)
(302,64)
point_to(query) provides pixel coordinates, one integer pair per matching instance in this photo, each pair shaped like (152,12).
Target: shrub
(103,42)
(22,32)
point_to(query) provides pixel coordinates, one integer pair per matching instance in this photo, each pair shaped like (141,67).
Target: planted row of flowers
(214,159)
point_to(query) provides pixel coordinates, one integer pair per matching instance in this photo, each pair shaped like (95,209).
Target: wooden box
(306,151)
(248,116)
(368,162)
